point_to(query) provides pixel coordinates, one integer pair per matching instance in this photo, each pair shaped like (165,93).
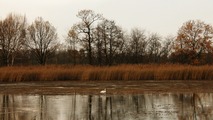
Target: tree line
(96,40)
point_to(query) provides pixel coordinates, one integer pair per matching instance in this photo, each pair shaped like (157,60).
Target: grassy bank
(121,72)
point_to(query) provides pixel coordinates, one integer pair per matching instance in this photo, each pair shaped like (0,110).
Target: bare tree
(86,28)
(167,46)
(138,44)
(12,37)
(154,46)
(116,40)
(109,40)
(72,40)
(100,39)
(42,39)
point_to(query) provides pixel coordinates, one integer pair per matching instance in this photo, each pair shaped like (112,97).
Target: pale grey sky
(161,16)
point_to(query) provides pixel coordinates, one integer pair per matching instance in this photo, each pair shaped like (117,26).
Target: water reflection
(187,106)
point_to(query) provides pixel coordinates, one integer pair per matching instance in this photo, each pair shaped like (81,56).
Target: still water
(150,106)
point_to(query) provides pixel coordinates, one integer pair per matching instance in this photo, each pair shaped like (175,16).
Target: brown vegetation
(92,73)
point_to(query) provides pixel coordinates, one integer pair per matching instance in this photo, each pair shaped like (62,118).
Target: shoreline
(113,87)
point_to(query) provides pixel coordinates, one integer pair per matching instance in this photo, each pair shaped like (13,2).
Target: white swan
(103,91)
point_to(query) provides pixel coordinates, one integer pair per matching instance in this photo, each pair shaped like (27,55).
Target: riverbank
(112,87)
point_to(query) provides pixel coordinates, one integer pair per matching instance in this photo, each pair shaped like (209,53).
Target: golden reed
(119,72)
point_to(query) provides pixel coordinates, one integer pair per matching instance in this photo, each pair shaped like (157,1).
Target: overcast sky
(160,16)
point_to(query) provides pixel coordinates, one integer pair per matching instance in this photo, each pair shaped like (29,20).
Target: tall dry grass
(120,72)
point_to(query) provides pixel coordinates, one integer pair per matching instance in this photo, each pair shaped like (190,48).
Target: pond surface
(145,106)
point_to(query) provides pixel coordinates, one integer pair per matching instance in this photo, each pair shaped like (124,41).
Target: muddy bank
(113,87)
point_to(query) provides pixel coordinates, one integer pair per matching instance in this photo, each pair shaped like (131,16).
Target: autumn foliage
(193,44)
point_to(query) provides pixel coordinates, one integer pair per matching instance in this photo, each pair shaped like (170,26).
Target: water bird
(103,91)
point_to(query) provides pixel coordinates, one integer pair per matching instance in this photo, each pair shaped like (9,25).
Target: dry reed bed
(121,72)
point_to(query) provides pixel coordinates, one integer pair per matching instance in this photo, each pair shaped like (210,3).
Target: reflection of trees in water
(195,106)
(139,103)
(203,106)
(5,107)
(8,112)
(43,108)
(73,112)
(107,107)
(90,107)
(185,105)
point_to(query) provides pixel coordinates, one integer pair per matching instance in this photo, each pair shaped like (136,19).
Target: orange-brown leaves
(194,36)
